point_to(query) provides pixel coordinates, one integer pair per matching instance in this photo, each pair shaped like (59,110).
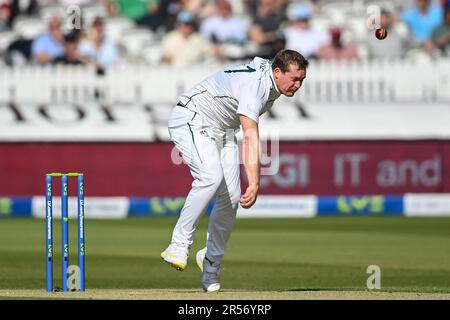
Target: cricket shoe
(199,257)
(210,276)
(176,255)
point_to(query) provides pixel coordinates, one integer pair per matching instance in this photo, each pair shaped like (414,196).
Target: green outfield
(325,253)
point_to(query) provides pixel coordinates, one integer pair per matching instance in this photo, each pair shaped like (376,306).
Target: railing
(327,82)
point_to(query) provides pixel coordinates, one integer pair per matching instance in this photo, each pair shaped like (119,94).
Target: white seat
(320,24)
(162,133)
(389,5)
(161,112)
(115,26)
(134,40)
(363,51)
(418,55)
(29,27)
(238,7)
(402,29)
(6,38)
(92,11)
(233,51)
(337,7)
(358,27)
(348,36)
(152,54)
(47,12)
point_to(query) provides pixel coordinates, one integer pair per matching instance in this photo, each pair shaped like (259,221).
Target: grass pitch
(278,255)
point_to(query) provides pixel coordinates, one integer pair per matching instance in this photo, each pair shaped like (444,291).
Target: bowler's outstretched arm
(250,149)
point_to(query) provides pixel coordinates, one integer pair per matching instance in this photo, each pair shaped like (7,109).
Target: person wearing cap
(300,36)
(336,49)
(184,45)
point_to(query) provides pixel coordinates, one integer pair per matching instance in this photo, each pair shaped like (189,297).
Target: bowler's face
(290,81)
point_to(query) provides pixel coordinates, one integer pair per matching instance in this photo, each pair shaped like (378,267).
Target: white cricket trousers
(214,164)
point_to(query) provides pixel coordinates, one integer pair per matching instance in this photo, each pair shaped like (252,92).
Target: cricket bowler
(203,125)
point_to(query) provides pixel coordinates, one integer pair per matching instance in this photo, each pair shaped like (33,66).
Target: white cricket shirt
(247,90)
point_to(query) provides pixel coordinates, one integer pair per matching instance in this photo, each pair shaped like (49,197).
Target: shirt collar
(273,81)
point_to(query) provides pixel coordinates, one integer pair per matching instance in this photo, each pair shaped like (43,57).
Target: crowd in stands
(184,32)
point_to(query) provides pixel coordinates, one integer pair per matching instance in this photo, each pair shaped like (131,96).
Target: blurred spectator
(301,37)
(223,27)
(98,47)
(184,46)
(282,5)
(168,11)
(441,34)
(394,45)
(22,7)
(421,20)
(18,52)
(71,54)
(251,6)
(264,31)
(200,8)
(316,6)
(49,45)
(144,12)
(336,50)
(5,13)
(409,4)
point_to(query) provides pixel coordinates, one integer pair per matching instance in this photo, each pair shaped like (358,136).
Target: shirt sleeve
(205,29)
(85,48)
(38,46)
(406,17)
(250,102)
(109,55)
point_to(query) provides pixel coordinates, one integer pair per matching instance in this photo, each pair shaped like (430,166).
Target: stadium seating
(6,38)
(46,12)
(363,80)
(143,46)
(114,26)
(29,28)
(135,39)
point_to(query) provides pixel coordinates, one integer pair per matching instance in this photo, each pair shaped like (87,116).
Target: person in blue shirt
(421,21)
(98,47)
(50,45)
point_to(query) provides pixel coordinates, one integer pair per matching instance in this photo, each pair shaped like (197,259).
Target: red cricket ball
(381,33)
